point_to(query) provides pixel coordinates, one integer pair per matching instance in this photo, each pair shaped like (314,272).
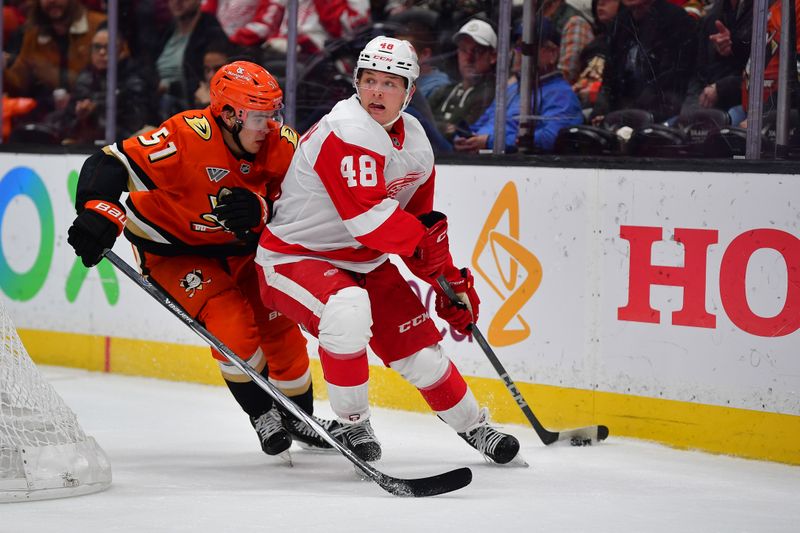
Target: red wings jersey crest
(395,186)
(177,170)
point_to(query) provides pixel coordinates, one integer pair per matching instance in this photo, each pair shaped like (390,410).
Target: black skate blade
(426,486)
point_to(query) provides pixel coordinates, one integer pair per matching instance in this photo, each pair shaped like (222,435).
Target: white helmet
(393,56)
(387,54)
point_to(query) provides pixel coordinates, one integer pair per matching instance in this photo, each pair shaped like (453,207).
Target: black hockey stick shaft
(429,486)
(576,436)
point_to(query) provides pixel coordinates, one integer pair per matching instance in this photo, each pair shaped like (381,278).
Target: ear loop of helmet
(237,128)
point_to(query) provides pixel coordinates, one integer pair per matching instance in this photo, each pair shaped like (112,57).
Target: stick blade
(585,436)
(426,486)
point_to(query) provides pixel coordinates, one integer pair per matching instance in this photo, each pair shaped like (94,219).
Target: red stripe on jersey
(344,370)
(353,177)
(399,234)
(273,243)
(447,392)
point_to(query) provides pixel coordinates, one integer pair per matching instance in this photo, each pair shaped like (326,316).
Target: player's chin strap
(235,133)
(405,104)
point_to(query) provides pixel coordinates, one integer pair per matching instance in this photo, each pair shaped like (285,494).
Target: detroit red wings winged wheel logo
(193,282)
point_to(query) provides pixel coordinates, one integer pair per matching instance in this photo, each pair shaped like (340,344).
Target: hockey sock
(452,400)
(347,376)
(447,392)
(304,401)
(253,399)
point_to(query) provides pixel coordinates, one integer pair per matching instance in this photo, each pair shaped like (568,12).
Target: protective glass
(262,120)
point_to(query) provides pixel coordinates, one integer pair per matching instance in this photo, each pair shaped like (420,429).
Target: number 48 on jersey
(365,175)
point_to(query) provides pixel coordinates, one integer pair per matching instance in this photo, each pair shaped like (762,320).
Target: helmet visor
(262,120)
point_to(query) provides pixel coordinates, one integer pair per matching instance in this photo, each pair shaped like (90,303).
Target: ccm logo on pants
(416,321)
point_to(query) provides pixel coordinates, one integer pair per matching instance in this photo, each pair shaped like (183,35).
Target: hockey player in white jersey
(360,187)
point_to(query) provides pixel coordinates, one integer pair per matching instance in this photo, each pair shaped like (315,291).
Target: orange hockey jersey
(175,173)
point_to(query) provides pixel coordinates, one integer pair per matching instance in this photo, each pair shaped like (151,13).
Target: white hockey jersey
(352,193)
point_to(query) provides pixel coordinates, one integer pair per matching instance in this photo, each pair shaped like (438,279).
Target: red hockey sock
(344,370)
(447,392)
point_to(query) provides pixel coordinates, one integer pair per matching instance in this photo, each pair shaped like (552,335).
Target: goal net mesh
(44,452)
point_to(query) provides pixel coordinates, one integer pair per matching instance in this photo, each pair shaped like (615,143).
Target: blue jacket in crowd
(558,106)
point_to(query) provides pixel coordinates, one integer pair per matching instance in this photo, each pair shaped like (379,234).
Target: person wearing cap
(555,103)
(360,189)
(457,105)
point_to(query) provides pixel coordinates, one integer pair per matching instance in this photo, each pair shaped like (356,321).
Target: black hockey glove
(240,210)
(94,230)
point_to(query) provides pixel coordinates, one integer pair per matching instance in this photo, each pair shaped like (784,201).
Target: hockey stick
(576,437)
(426,486)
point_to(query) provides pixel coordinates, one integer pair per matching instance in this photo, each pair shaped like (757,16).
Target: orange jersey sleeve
(175,174)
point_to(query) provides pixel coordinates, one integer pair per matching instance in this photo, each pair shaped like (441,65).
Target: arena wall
(664,304)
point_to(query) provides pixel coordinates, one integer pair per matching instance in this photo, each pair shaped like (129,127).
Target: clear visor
(262,120)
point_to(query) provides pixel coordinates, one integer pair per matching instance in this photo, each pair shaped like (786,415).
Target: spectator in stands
(593,56)
(55,48)
(772,60)
(264,22)
(458,105)
(723,51)
(13,30)
(554,102)
(84,119)
(418,26)
(218,54)
(180,58)
(576,32)
(652,48)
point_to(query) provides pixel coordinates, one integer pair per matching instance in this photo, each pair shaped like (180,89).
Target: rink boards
(665,305)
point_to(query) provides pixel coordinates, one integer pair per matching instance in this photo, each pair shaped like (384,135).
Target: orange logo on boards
(517,286)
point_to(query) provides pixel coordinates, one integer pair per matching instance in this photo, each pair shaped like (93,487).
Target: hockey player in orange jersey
(360,187)
(200,191)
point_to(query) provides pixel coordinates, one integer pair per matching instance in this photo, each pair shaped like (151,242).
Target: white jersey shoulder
(352,124)
(305,216)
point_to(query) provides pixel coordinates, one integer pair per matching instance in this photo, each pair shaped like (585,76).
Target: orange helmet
(249,90)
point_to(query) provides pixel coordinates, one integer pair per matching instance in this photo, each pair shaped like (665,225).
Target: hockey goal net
(44,452)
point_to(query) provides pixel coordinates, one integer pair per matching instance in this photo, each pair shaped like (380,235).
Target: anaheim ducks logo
(213,224)
(193,282)
(290,135)
(508,255)
(200,126)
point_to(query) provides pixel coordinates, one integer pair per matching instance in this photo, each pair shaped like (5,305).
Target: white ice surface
(185,458)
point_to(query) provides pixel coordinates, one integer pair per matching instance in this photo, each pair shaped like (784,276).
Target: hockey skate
(360,438)
(274,438)
(308,438)
(495,446)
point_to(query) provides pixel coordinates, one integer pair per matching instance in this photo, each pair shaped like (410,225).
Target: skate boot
(495,446)
(307,437)
(360,439)
(273,436)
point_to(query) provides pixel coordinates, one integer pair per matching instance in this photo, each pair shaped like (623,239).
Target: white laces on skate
(268,424)
(483,436)
(360,433)
(298,426)
(495,446)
